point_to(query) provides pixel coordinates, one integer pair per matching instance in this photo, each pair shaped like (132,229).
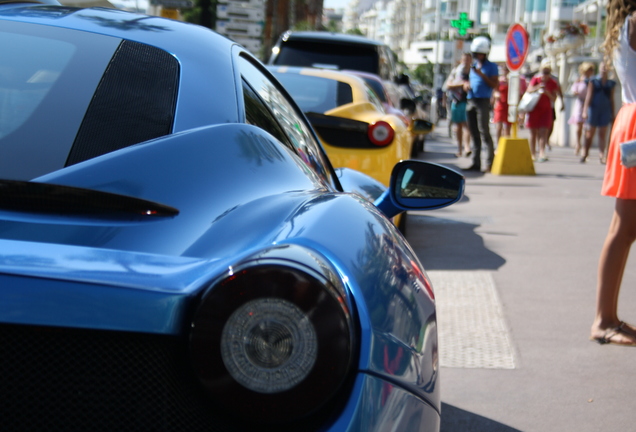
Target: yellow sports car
(354,127)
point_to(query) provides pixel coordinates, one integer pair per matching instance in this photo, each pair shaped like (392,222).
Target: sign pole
(513,154)
(513,101)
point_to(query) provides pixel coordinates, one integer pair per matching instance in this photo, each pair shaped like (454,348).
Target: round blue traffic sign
(517,46)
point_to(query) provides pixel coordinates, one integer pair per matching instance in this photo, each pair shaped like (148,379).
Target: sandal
(611,332)
(627,329)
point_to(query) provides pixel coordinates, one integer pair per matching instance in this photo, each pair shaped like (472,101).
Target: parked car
(334,51)
(349,52)
(396,101)
(350,120)
(177,252)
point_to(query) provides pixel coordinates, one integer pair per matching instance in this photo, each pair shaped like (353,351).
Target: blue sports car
(178,254)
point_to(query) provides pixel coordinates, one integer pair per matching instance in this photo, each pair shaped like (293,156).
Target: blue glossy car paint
(239,192)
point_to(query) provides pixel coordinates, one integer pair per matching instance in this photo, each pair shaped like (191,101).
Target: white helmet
(480,44)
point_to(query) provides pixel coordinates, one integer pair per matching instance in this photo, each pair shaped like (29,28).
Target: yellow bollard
(513,157)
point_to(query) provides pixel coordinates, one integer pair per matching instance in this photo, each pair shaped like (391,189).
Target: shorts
(620,182)
(458,112)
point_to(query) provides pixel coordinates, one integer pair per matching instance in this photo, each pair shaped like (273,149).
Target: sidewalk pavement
(514,268)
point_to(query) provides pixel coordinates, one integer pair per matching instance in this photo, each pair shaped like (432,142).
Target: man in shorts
(455,85)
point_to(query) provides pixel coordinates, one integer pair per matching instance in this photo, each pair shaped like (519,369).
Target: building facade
(420,30)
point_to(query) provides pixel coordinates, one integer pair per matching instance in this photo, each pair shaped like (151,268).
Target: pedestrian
(541,118)
(455,85)
(579,90)
(598,111)
(619,182)
(440,104)
(500,104)
(483,78)
(559,95)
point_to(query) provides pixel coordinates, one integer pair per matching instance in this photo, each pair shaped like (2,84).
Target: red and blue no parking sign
(517,46)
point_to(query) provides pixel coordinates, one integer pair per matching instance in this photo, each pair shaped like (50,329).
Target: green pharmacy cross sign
(462,24)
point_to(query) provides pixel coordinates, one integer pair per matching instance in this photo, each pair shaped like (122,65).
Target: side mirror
(417,185)
(420,127)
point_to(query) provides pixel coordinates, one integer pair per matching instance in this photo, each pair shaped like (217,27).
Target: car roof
(199,74)
(329,37)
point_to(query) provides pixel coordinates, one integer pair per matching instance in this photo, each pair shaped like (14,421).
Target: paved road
(514,267)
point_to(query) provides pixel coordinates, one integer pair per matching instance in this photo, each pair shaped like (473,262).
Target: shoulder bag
(529,101)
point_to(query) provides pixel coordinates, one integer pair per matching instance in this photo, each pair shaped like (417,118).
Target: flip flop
(606,339)
(627,329)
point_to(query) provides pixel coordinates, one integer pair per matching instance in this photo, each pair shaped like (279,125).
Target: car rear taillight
(272,342)
(381,133)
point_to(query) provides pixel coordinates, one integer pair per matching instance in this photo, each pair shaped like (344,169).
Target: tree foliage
(203,13)
(424,73)
(302,26)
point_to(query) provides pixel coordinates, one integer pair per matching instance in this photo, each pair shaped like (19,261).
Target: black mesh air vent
(56,379)
(134,102)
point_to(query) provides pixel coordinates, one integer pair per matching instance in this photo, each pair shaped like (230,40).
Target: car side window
(297,132)
(257,114)
(374,99)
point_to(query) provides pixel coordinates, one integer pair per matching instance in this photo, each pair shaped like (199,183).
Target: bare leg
(579,133)
(543,142)
(621,235)
(602,136)
(533,142)
(589,136)
(507,129)
(459,135)
(499,127)
(467,140)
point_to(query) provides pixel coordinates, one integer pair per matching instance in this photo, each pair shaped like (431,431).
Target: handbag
(529,101)
(628,154)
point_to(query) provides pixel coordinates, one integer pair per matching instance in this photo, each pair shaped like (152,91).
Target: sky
(334,4)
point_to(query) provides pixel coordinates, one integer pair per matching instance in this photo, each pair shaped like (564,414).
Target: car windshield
(342,56)
(316,94)
(44,94)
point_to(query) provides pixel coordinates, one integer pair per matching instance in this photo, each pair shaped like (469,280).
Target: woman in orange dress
(619,181)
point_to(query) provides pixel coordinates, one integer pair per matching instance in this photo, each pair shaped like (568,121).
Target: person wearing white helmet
(483,78)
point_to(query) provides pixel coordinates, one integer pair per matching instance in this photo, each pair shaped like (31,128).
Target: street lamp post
(438,30)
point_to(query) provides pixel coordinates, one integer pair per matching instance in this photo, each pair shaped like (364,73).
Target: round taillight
(272,343)
(381,133)
(269,345)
